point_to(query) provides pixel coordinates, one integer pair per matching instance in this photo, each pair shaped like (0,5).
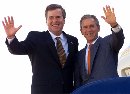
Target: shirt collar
(54,36)
(93,41)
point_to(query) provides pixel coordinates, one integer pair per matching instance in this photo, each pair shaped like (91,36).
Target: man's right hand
(9,27)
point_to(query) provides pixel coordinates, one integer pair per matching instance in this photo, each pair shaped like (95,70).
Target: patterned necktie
(88,60)
(61,52)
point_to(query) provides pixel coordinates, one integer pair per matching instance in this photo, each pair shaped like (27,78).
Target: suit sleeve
(117,40)
(23,47)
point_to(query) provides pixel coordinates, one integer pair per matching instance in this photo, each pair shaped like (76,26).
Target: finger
(9,21)
(19,27)
(103,17)
(113,10)
(6,22)
(12,20)
(3,24)
(104,10)
(108,8)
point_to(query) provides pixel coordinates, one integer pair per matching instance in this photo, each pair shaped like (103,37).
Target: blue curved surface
(120,85)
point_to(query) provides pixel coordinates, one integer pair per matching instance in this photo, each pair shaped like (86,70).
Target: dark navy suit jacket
(104,59)
(48,76)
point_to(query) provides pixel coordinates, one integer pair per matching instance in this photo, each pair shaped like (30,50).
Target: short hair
(88,16)
(53,7)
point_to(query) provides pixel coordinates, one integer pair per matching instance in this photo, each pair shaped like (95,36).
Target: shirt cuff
(117,29)
(10,40)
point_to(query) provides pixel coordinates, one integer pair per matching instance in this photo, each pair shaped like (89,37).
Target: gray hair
(88,16)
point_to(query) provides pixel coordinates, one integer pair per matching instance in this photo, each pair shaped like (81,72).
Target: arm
(117,38)
(14,46)
(23,47)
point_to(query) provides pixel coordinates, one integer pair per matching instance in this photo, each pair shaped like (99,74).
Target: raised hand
(9,27)
(109,16)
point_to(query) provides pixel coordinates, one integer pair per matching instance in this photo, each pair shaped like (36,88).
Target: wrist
(114,25)
(10,37)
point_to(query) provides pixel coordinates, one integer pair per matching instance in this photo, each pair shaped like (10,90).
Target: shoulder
(35,35)
(71,38)
(83,50)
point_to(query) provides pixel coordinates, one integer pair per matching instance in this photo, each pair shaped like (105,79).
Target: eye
(50,17)
(92,26)
(58,16)
(85,27)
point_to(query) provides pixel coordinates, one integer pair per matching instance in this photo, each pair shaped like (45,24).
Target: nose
(55,19)
(89,29)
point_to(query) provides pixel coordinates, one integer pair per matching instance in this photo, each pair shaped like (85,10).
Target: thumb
(103,18)
(19,27)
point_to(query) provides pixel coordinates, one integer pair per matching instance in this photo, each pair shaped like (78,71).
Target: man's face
(55,21)
(89,29)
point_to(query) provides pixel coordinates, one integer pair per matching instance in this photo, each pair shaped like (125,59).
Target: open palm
(109,16)
(9,27)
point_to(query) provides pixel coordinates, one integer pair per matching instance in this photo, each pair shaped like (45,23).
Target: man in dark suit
(103,51)
(49,75)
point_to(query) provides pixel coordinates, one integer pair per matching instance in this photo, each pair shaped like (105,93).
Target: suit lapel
(82,62)
(70,44)
(94,50)
(51,46)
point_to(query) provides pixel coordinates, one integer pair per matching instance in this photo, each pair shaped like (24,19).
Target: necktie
(61,52)
(88,60)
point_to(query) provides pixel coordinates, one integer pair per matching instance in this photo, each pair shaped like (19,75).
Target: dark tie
(61,52)
(88,60)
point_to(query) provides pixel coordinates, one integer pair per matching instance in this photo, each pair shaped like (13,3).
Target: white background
(15,70)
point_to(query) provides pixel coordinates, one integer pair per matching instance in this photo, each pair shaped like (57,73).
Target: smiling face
(55,21)
(89,29)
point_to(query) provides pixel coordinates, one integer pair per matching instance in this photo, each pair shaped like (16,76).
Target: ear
(98,28)
(46,20)
(81,31)
(64,21)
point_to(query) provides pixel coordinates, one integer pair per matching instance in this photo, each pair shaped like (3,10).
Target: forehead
(88,21)
(56,12)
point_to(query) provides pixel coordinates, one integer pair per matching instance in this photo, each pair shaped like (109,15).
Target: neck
(57,33)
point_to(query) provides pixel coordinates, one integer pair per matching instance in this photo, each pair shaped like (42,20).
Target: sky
(15,70)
